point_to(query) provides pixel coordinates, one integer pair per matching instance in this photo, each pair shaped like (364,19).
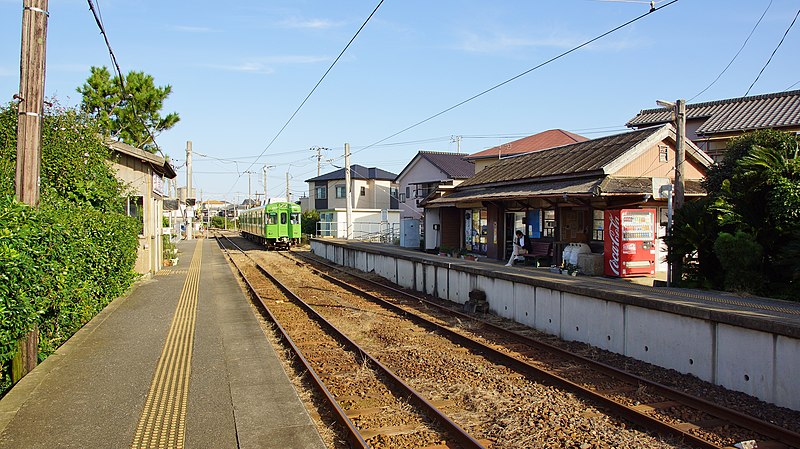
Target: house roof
(775,110)
(543,140)
(452,165)
(580,187)
(600,156)
(356,172)
(159,164)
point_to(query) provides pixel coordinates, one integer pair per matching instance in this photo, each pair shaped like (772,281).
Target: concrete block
(746,361)
(593,321)
(787,365)
(405,273)
(673,341)
(590,264)
(525,304)
(548,310)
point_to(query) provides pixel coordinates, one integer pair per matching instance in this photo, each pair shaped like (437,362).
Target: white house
(427,172)
(373,198)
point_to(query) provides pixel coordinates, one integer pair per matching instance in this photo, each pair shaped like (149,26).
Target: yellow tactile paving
(162,423)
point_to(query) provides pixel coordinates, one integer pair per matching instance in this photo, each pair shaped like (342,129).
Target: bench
(539,254)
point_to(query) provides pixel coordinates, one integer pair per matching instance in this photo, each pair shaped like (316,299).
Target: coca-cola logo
(614,232)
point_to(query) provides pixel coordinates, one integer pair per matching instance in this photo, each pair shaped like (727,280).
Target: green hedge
(63,262)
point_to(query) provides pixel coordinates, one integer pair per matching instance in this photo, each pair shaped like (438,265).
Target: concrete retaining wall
(759,362)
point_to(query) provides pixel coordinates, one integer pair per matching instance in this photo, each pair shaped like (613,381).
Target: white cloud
(315,24)
(265,65)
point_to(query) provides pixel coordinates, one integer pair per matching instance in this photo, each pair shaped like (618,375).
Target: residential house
(144,173)
(710,124)
(427,172)
(546,139)
(558,195)
(373,199)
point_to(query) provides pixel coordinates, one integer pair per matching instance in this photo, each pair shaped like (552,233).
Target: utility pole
(288,192)
(457,140)
(319,157)
(189,194)
(29,142)
(266,194)
(680,120)
(348,202)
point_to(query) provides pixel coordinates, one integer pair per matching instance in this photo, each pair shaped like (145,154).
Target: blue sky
(239,70)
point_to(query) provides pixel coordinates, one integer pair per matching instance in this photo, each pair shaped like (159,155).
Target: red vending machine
(629,242)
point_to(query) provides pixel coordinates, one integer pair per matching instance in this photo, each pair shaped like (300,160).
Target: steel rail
(354,436)
(764,428)
(460,435)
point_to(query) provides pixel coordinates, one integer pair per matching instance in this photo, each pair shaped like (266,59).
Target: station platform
(181,361)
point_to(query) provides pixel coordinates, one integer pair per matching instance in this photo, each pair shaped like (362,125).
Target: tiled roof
(546,139)
(585,186)
(356,172)
(578,159)
(452,164)
(776,110)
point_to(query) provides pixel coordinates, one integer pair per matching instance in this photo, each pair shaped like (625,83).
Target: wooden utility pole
(29,141)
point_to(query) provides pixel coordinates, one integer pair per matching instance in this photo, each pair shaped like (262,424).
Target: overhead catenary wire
(497,86)
(736,55)
(316,85)
(773,53)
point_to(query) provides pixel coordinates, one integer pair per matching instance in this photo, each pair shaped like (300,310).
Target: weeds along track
(374,407)
(695,421)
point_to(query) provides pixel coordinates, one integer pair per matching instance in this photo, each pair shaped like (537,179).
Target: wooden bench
(540,254)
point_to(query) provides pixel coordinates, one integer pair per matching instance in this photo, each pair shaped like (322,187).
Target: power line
(317,85)
(99,21)
(790,87)
(773,53)
(736,55)
(496,86)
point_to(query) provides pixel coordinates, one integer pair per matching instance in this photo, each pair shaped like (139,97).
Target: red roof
(546,139)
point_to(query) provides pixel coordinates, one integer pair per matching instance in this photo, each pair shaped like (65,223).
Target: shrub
(741,258)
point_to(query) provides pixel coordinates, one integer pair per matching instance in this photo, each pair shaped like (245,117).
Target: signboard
(158,184)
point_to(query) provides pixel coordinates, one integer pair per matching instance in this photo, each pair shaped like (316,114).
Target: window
(363,191)
(663,153)
(340,191)
(273,218)
(549,229)
(322,193)
(283,218)
(402,197)
(134,207)
(597,224)
(393,193)
(408,192)
(295,218)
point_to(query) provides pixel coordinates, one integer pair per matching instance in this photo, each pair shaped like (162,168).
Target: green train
(276,225)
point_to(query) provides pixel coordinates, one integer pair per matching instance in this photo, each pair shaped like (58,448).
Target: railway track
(665,410)
(374,407)
(685,421)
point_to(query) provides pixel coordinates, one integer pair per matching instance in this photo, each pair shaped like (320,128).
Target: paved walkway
(179,362)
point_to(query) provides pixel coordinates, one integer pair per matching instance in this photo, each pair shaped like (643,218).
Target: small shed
(143,172)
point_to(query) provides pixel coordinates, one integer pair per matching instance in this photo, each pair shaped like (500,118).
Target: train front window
(273,218)
(295,218)
(283,218)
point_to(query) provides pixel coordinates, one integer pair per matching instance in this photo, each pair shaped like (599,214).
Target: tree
(130,112)
(753,197)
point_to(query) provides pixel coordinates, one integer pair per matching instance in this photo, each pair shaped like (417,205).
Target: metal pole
(189,193)
(348,201)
